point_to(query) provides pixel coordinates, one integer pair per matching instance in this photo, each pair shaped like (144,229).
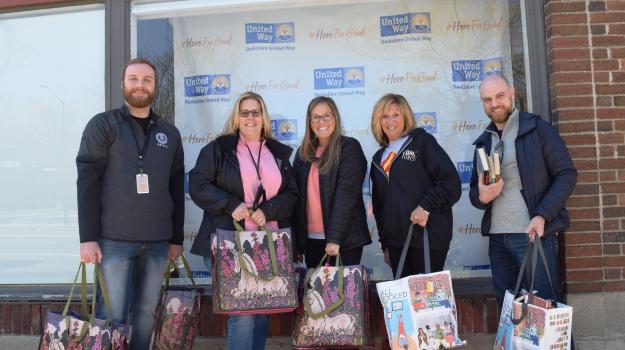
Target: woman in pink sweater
(245,175)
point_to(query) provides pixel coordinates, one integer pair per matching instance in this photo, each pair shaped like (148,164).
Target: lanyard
(260,192)
(141,150)
(256,162)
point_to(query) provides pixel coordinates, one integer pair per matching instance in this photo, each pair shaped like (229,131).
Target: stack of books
(489,166)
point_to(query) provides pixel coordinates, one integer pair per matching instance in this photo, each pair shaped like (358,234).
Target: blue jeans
(133,273)
(506,252)
(245,331)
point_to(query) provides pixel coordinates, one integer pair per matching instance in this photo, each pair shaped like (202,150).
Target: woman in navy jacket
(414,182)
(330,169)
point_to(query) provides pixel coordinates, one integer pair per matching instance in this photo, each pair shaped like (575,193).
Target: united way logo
(284,129)
(339,78)
(161,140)
(491,66)
(269,33)
(420,23)
(286,33)
(406,23)
(204,85)
(464,171)
(221,85)
(427,121)
(475,70)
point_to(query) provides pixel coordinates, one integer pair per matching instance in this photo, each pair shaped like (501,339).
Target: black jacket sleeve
(348,189)
(298,229)
(203,187)
(176,189)
(561,171)
(281,206)
(90,165)
(446,188)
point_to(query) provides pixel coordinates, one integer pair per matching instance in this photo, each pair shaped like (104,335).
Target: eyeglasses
(317,118)
(247,114)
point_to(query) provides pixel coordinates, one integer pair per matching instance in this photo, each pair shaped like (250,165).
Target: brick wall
(586,55)
(476,314)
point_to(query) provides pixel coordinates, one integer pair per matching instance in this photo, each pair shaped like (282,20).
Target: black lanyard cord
(141,150)
(256,162)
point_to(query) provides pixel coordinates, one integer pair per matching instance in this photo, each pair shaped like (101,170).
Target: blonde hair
(381,107)
(331,157)
(232,124)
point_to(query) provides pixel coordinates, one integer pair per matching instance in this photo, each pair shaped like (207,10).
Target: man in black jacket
(528,202)
(131,201)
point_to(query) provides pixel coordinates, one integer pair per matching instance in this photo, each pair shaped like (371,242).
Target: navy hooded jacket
(548,176)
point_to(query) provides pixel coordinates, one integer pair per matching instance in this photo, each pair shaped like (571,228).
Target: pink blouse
(269,175)
(313,211)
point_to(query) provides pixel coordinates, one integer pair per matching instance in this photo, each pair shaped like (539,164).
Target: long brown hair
(330,158)
(382,107)
(232,124)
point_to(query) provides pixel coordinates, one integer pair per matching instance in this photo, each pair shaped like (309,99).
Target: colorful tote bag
(529,322)
(82,331)
(335,311)
(178,315)
(253,272)
(420,310)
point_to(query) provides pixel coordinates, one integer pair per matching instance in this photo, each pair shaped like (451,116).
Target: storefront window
(435,53)
(52,82)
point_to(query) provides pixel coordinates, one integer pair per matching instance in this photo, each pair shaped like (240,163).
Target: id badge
(143,185)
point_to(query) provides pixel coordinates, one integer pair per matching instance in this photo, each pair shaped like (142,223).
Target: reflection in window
(52,74)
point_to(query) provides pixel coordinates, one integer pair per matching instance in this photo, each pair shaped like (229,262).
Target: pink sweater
(269,174)
(315,217)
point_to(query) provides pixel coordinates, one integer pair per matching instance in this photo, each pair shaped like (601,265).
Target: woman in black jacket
(330,169)
(413,183)
(225,182)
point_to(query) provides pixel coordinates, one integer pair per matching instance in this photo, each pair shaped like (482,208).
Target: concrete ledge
(598,320)
(18,342)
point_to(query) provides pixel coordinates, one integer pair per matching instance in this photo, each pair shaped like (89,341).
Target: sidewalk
(474,342)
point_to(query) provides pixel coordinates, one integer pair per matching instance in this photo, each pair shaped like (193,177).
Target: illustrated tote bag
(420,310)
(335,311)
(178,315)
(253,272)
(72,330)
(529,322)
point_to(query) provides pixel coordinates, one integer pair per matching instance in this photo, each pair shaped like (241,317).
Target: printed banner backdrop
(435,53)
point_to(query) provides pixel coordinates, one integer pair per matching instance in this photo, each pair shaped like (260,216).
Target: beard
(500,116)
(139,102)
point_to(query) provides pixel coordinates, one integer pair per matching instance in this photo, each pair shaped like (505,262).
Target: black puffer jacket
(421,175)
(548,175)
(342,206)
(215,186)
